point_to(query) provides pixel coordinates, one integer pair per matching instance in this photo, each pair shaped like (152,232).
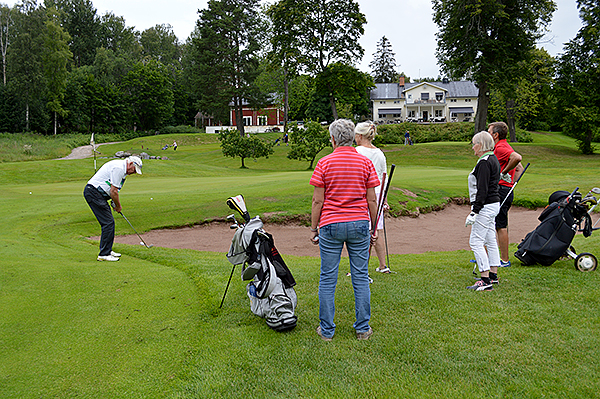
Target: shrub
(394,133)
(455,131)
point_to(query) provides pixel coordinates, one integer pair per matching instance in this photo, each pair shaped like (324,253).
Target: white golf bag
(271,291)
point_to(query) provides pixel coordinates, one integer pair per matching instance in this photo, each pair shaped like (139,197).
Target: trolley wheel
(586,262)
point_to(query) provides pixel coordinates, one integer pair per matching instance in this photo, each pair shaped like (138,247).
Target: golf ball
(151,198)
(141,243)
(30,192)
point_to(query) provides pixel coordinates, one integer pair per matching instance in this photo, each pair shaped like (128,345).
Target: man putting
(101,188)
(510,170)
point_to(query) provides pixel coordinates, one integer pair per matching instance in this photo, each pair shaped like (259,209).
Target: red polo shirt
(502,151)
(346,175)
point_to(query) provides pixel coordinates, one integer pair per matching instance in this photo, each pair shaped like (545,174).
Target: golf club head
(237,203)
(230,217)
(234,226)
(595,190)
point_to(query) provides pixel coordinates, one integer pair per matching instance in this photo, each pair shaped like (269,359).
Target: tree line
(67,69)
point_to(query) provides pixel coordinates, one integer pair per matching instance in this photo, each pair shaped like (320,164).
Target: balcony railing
(426,102)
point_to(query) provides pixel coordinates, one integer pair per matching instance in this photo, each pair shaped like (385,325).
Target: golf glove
(506,177)
(470,219)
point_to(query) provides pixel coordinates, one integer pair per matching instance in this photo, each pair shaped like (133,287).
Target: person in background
(343,208)
(174,146)
(103,187)
(365,133)
(510,170)
(485,205)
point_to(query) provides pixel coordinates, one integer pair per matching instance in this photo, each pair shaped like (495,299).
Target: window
(410,96)
(261,120)
(439,96)
(424,96)
(381,102)
(438,113)
(467,100)
(411,114)
(247,121)
(397,102)
(453,100)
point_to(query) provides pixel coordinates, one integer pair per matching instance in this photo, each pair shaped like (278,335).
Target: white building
(424,102)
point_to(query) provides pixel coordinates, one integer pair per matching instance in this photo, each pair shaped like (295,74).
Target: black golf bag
(560,220)
(271,291)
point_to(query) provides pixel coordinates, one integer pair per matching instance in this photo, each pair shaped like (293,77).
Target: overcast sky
(407,24)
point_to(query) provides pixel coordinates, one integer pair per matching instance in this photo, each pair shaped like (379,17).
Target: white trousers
(483,237)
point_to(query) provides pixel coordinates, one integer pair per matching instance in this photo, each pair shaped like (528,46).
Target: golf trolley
(271,289)
(566,214)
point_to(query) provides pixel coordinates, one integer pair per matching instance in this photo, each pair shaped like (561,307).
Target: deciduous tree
(234,145)
(306,143)
(325,32)
(5,28)
(349,88)
(149,92)
(578,81)
(160,43)
(484,40)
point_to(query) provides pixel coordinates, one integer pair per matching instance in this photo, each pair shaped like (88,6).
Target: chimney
(401,81)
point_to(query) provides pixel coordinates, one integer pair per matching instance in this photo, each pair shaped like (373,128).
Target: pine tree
(384,62)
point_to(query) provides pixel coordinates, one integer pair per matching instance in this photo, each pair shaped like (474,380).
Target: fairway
(149,326)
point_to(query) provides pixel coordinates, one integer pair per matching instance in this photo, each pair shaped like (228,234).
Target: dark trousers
(103,213)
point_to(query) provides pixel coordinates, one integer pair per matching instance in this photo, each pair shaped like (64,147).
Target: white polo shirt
(112,173)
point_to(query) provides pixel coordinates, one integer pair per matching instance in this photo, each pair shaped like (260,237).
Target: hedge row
(419,133)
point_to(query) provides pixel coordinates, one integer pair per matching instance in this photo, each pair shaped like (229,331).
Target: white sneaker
(115,254)
(108,258)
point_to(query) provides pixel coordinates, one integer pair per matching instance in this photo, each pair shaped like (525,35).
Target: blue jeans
(331,241)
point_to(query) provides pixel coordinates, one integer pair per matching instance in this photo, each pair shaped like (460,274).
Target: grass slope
(150,326)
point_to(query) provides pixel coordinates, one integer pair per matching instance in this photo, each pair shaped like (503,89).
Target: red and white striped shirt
(346,175)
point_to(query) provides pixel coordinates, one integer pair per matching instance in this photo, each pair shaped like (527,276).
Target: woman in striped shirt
(343,208)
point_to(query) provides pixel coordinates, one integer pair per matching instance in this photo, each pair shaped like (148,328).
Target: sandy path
(83,151)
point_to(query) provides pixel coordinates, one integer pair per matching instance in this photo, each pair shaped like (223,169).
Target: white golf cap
(137,162)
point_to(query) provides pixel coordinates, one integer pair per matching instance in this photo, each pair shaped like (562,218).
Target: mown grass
(150,326)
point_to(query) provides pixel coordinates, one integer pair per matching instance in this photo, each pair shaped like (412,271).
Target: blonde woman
(485,205)
(364,134)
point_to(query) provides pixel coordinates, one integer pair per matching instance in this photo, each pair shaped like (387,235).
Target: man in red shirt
(510,170)
(344,207)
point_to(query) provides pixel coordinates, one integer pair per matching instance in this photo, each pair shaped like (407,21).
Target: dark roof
(388,91)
